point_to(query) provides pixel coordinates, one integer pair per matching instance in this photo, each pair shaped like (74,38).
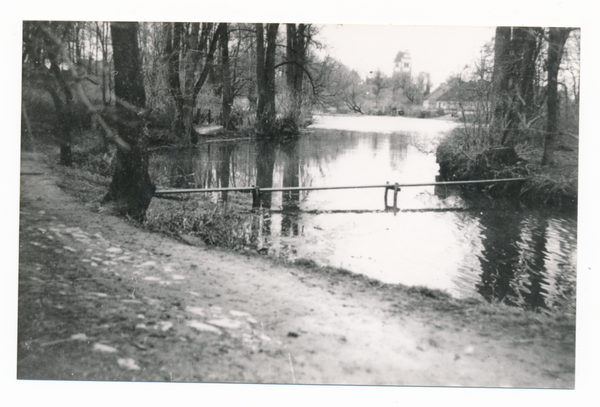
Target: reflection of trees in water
(375,139)
(398,152)
(249,163)
(173,169)
(321,148)
(290,200)
(533,262)
(513,259)
(563,287)
(226,164)
(266,153)
(261,230)
(224,167)
(499,256)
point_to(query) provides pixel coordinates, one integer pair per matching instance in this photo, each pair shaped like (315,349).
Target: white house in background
(465,96)
(402,63)
(430,101)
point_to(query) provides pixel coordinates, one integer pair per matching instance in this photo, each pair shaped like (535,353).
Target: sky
(438,50)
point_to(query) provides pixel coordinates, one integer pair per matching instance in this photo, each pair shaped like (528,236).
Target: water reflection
(290,200)
(224,167)
(512,270)
(490,249)
(265,163)
(533,262)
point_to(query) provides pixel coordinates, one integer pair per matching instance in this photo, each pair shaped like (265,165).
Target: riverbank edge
(552,187)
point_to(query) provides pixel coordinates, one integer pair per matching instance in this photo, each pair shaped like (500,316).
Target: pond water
(493,249)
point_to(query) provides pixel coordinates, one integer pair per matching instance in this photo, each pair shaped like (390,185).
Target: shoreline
(331,327)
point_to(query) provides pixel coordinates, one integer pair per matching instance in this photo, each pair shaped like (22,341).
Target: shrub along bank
(462,157)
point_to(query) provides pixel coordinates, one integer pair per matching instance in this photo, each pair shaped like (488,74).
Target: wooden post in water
(385,195)
(396,189)
(256,197)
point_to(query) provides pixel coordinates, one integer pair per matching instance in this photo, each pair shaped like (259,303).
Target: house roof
(463,91)
(400,55)
(443,88)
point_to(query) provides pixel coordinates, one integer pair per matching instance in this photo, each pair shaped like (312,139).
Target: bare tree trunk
(265,70)
(226,79)
(77,47)
(296,57)
(515,54)
(500,94)
(556,43)
(28,130)
(260,72)
(529,53)
(108,65)
(131,186)
(64,112)
(172,50)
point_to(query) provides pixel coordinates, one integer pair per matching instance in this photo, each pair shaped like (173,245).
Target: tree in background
(379,82)
(185,44)
(131,187)
(102,35)
(227,94)
(557,37)
(42,59)
(411,89)
(515,57)
(352,90)
(296,47)
(528,88)
(265,73)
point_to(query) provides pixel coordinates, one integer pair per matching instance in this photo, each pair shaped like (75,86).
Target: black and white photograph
(358,205)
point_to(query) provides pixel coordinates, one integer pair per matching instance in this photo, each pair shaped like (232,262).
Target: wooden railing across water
(396,187)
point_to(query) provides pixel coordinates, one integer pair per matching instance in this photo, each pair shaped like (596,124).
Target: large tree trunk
(500,84)
(64,115)
(521,69)
(260,73)
(515,54)
(556,44)
(265,71)
(296,56)
(131,187)
(226,80)
(192,57)
(528,40)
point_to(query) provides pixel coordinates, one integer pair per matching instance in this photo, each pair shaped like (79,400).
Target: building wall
(404,64)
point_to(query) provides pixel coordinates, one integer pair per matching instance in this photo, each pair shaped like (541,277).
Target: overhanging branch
(301,67)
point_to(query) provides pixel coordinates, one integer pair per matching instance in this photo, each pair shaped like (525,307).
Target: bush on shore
(463,156)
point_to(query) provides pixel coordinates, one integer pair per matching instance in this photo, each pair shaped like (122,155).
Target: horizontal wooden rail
(388,186)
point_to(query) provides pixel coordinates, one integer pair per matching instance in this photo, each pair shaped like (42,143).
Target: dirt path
(100,299)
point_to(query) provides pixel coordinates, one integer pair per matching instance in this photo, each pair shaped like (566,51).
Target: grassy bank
(463,157)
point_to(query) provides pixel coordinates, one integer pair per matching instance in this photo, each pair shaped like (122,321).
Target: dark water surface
(492,249)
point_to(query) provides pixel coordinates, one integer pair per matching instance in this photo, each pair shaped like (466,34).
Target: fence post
(385,195)
(396,189)
(256,197)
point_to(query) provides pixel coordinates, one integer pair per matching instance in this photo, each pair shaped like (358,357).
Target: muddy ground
(101,299)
